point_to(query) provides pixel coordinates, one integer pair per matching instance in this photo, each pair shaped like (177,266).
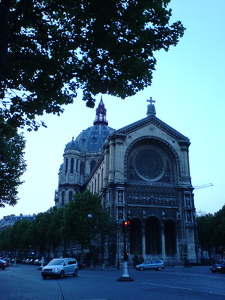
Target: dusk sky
(188,86)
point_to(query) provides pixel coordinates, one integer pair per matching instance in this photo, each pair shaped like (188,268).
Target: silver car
(154,264)
(60,267)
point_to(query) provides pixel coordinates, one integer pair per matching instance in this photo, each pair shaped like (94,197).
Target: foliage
(56,226)
(12,164)
(211,231)
(51,49)
(85,219)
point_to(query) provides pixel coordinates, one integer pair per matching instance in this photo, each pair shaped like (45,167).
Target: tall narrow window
(66,165)
(102,179)
(70,196)
(98,183)
(93,163)
(63,198)
(77,165)
(82,167)
(71,165)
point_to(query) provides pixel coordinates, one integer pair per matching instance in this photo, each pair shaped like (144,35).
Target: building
(10,220)
(142,173)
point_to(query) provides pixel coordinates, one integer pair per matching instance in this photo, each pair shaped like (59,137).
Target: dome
(93,138)
(73,145)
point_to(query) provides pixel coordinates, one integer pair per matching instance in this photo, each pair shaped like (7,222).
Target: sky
(189,88)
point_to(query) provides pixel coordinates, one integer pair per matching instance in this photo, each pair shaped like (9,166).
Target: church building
(142,173)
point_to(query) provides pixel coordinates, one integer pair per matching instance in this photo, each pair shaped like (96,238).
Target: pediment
(152,122)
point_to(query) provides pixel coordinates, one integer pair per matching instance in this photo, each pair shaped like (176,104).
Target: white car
(60,267)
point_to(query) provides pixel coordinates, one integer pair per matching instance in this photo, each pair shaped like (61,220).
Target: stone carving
(120,196)
(120,213)
(187,200)
(153,200)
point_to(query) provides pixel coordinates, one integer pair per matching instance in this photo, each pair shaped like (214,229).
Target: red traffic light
(126,226)
(126,223)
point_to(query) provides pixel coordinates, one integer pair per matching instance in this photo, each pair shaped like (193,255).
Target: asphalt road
(24,282)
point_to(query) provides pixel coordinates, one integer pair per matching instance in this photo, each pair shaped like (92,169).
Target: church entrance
(170,238)
(152,236)
(135,237)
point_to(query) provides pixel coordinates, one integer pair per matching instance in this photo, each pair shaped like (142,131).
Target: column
(143,239)
(163,247)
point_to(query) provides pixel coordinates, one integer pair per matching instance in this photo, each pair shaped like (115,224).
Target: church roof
(152,119)
(93,138)
(73,145)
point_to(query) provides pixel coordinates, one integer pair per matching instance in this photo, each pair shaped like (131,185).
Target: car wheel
(75,272)
(213,271)
(3,268)
(44,277)
(61,275)
(159,269)
(141,269)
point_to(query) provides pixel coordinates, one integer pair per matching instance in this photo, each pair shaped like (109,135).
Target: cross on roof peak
(151,107)
(151,100)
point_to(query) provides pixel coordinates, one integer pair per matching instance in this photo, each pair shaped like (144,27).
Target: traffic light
(126,226)
(126,256)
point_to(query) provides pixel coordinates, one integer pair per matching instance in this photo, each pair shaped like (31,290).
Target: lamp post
(125,276)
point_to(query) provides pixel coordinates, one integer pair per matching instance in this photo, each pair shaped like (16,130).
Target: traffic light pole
(125,276)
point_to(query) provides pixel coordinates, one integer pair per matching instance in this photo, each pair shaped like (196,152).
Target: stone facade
(143,176)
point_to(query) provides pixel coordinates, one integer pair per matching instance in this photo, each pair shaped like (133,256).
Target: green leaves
(211,231)
(57,47)
(85,219)
(80,221)
(51,49)
(12,164)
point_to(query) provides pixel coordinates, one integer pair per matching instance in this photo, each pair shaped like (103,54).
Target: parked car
(60,267)
(153,264)
(219,266)
(3,264)
(37,261)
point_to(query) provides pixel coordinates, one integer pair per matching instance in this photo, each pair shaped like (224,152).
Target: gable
(156,122)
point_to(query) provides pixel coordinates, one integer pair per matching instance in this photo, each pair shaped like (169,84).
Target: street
(24,282)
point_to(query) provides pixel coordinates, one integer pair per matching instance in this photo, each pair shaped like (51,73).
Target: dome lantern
(100,114)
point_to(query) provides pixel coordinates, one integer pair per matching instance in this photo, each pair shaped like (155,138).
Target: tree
(51,49)
(54,229)
(12,164)
(206,232)
(20,236)
(85,219)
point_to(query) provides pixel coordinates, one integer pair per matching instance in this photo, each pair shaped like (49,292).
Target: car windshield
(56,262)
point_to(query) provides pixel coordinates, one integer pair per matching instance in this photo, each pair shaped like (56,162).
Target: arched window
(102,179)
(82,168)
(92,165)
(71,165)
(70,196)
(98,182)
(66,165)
(63,198)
